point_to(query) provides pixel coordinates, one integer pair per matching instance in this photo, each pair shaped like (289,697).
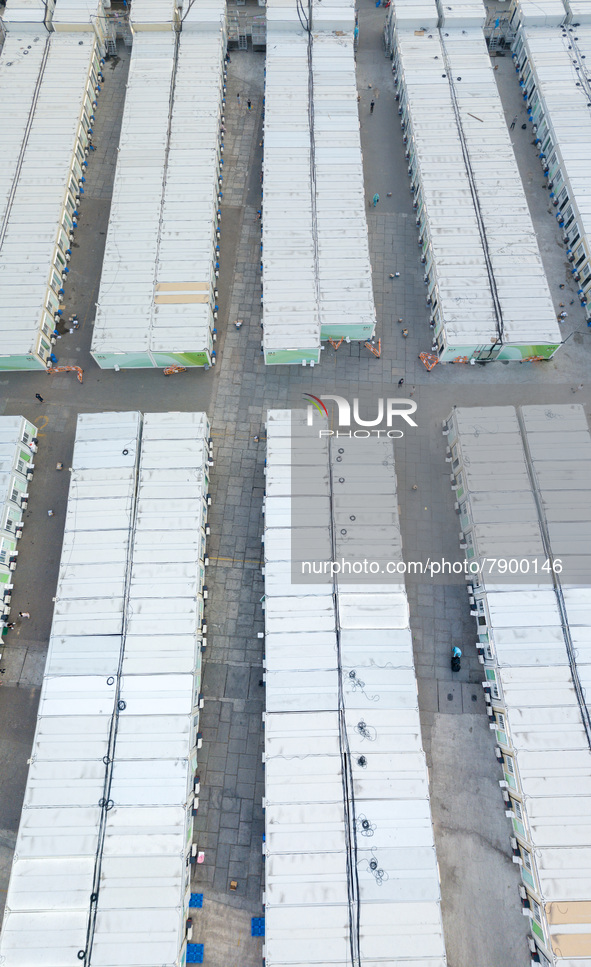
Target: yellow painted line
(42,426)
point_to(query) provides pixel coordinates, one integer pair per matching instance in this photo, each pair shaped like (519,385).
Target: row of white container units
(101,869)
(316,270)
(157,302)
(50,83)
(485,281)
(549,58)
(522,482)
(18,445)
(351,871)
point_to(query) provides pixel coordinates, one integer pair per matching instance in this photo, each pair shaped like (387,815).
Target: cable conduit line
(175,63)
(580,75)
(25,140)
(313,190)
(109,758)
(475,199)
(354,899)
(570,650)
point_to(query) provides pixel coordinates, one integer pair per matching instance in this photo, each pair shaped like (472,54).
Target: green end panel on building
(537,930)
(507,352)
(522,353)
(287,357)
(123,360)
(362,331)
(151,360)
(182,359)
(20,363)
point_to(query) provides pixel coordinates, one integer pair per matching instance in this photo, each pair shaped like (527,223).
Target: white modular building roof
(43,122)
(106,804)
(19,14)
(419,15)
(578,10)
(129,266)
(348,835)
(153,15)
(344,268)
(21,61)
(554,60)
(315,265)
(79,15)
(525,480)
(156,293)
(539,13)
(461,13)
(486,278)
(290,284)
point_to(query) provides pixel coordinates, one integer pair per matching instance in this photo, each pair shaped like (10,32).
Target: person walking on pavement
(24,614)
(576,389)
(405,333)
(249,105)
(238,97)
(513,122)
(39,397)
(372,104)
(401,381)
(376,199)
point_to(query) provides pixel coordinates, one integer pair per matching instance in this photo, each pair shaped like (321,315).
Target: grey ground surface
(482,914)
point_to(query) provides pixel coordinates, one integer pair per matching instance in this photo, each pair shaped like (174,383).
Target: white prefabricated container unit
(539,13)
(22,13)
(51,82)
(461,13)
(549,53)
(157,303)
(102,861)
(521,478)
(350,859)
(291,326)
(316,271)
(485,281)
(347,309)
(18,444)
